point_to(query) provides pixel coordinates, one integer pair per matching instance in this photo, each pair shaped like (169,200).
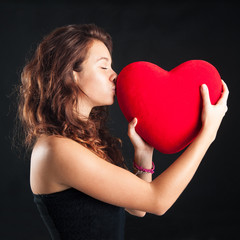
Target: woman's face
(96,79)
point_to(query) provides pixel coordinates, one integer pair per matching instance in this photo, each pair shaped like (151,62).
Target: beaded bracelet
(143,170)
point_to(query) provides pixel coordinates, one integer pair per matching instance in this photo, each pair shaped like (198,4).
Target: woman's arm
(73,165)
(171,183)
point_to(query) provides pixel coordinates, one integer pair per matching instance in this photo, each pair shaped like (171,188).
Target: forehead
(98,50)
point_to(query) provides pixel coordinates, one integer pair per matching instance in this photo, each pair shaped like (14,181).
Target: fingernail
(135,121)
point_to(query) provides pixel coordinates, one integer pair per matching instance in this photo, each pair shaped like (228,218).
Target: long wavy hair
(48,93)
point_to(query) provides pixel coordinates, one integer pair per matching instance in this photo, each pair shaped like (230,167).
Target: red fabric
(166,104)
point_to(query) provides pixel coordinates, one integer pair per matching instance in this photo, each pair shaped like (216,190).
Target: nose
(114,77)
(115,80)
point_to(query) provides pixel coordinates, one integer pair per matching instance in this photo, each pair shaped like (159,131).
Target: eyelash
(104,68)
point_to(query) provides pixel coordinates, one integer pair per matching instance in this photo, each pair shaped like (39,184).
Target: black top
(73,215)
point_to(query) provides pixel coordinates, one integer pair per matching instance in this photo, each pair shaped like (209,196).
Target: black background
(166,33)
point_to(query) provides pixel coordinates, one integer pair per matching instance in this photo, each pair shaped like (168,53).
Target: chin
(109,104)
(110,101)
(106,104)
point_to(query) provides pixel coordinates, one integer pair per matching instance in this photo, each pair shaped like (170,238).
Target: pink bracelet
(143,170)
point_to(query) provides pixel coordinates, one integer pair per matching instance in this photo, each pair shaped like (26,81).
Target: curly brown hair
(48,93)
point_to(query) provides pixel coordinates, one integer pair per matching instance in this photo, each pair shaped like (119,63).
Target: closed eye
(104,68)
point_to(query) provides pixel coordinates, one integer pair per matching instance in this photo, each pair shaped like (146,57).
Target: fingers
(221,101)
(225,93)
(132,125)
(205,95)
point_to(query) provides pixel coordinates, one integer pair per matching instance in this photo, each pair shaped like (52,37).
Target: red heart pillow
(166,104)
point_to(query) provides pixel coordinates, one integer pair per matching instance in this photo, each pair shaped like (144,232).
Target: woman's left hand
(138,143)
(212,115)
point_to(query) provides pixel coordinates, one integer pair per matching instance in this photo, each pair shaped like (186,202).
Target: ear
(75,76)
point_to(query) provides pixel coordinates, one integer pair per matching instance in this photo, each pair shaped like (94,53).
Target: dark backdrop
(166,33)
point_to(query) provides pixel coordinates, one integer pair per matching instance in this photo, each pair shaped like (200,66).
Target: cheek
(96,86)
(99,82)
(88,82)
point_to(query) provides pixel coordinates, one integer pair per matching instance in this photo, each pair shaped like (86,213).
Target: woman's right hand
(212,115)
(138,143)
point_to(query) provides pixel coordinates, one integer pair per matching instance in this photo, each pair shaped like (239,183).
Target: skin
(58,163)
(96,80)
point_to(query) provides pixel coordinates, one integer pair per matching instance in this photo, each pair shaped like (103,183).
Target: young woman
(78,177)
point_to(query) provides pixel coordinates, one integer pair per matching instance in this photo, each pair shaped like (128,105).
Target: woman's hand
(212,115)
(138,143)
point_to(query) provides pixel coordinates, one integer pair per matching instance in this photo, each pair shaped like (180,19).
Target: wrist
(143,152)
(141,170)
(143,159)
(209,133)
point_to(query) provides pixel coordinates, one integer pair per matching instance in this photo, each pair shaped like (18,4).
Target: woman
(78,177)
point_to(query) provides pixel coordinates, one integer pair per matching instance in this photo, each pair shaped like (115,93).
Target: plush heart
(166,104)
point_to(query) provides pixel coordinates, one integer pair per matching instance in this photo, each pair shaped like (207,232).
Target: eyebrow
(103,58)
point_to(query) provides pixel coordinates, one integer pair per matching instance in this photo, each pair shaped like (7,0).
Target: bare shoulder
(52,142)
(49,148)
(49,156)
